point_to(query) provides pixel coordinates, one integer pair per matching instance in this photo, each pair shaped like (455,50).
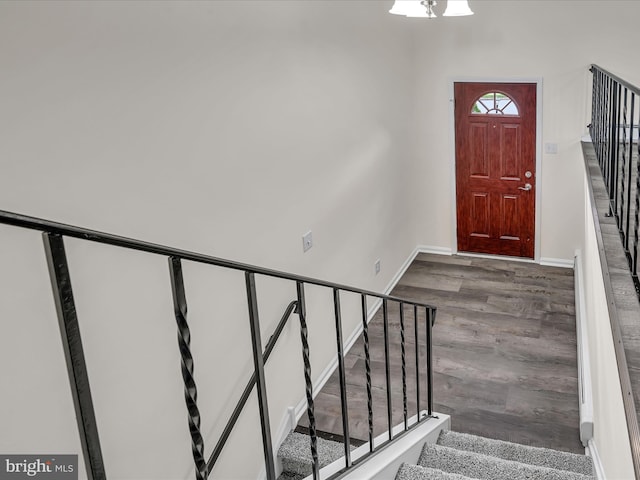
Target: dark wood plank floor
(504,353)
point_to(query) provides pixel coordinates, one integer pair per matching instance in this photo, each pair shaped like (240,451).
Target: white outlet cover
(307,241)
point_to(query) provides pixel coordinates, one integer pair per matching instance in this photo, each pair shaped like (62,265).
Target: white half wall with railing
(603,424)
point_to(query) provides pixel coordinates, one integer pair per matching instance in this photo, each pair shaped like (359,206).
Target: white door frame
(452,148)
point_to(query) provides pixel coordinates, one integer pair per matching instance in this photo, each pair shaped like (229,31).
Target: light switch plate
(307,241)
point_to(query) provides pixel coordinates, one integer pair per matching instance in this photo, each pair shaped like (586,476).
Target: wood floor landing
(504,353)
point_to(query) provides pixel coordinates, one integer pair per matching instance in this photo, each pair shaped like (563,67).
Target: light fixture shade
(409,8)
(457,8)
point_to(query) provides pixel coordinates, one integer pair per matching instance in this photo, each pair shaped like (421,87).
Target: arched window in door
(495,103)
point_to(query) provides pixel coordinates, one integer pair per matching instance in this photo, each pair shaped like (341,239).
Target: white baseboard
(556,262)
(434,250)
(547,261)
(598,469)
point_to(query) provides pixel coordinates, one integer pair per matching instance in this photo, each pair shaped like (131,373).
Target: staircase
(295,455)
(455,456)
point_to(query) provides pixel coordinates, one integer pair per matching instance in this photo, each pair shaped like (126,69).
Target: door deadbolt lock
(528,174)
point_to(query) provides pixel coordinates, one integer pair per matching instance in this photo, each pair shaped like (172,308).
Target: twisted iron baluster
(307,378)
(190,390)
(404,366)
(367,365)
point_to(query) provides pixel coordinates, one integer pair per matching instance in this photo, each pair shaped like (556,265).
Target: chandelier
(424,8)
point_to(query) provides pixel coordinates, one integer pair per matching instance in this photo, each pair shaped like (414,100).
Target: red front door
(495,167)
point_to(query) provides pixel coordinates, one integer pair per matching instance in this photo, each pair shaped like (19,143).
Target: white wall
(555,41)
(610,433)
(230,128)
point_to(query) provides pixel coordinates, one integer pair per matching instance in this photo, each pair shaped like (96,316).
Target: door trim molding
(452,150)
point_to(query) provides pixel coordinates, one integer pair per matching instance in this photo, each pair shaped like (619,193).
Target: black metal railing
(53,235)
(615,118)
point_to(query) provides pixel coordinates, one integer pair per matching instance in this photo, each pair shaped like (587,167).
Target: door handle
(526,188)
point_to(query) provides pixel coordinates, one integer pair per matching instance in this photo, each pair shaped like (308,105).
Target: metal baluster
(606,131)
(602,123)
(610,136)
(430,312)
(601,116)
(258,363)
(343,383)
(74,355)
(387,365)
(615,149)
(224,436)
(605,124)
(415,320)
(594,86)
(628,217)
(610,143)
(404,367)
(190,390)
(302,314)
(367,366)
(636,217)
(623,178)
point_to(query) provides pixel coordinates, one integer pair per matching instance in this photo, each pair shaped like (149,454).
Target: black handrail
(629,86)
(72,343)
(34,223)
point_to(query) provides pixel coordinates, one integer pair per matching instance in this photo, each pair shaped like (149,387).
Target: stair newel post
(431,316)
(343,382)
(187,366)
(367,366)
(304,334)
(74,355)
(258,364)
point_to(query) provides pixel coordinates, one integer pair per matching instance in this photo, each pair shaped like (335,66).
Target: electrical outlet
(307,241)
(376,267)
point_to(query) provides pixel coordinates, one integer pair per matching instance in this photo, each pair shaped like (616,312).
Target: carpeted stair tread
(485,467)
(295,454)
(290,476)
(542,457)
(416,472)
